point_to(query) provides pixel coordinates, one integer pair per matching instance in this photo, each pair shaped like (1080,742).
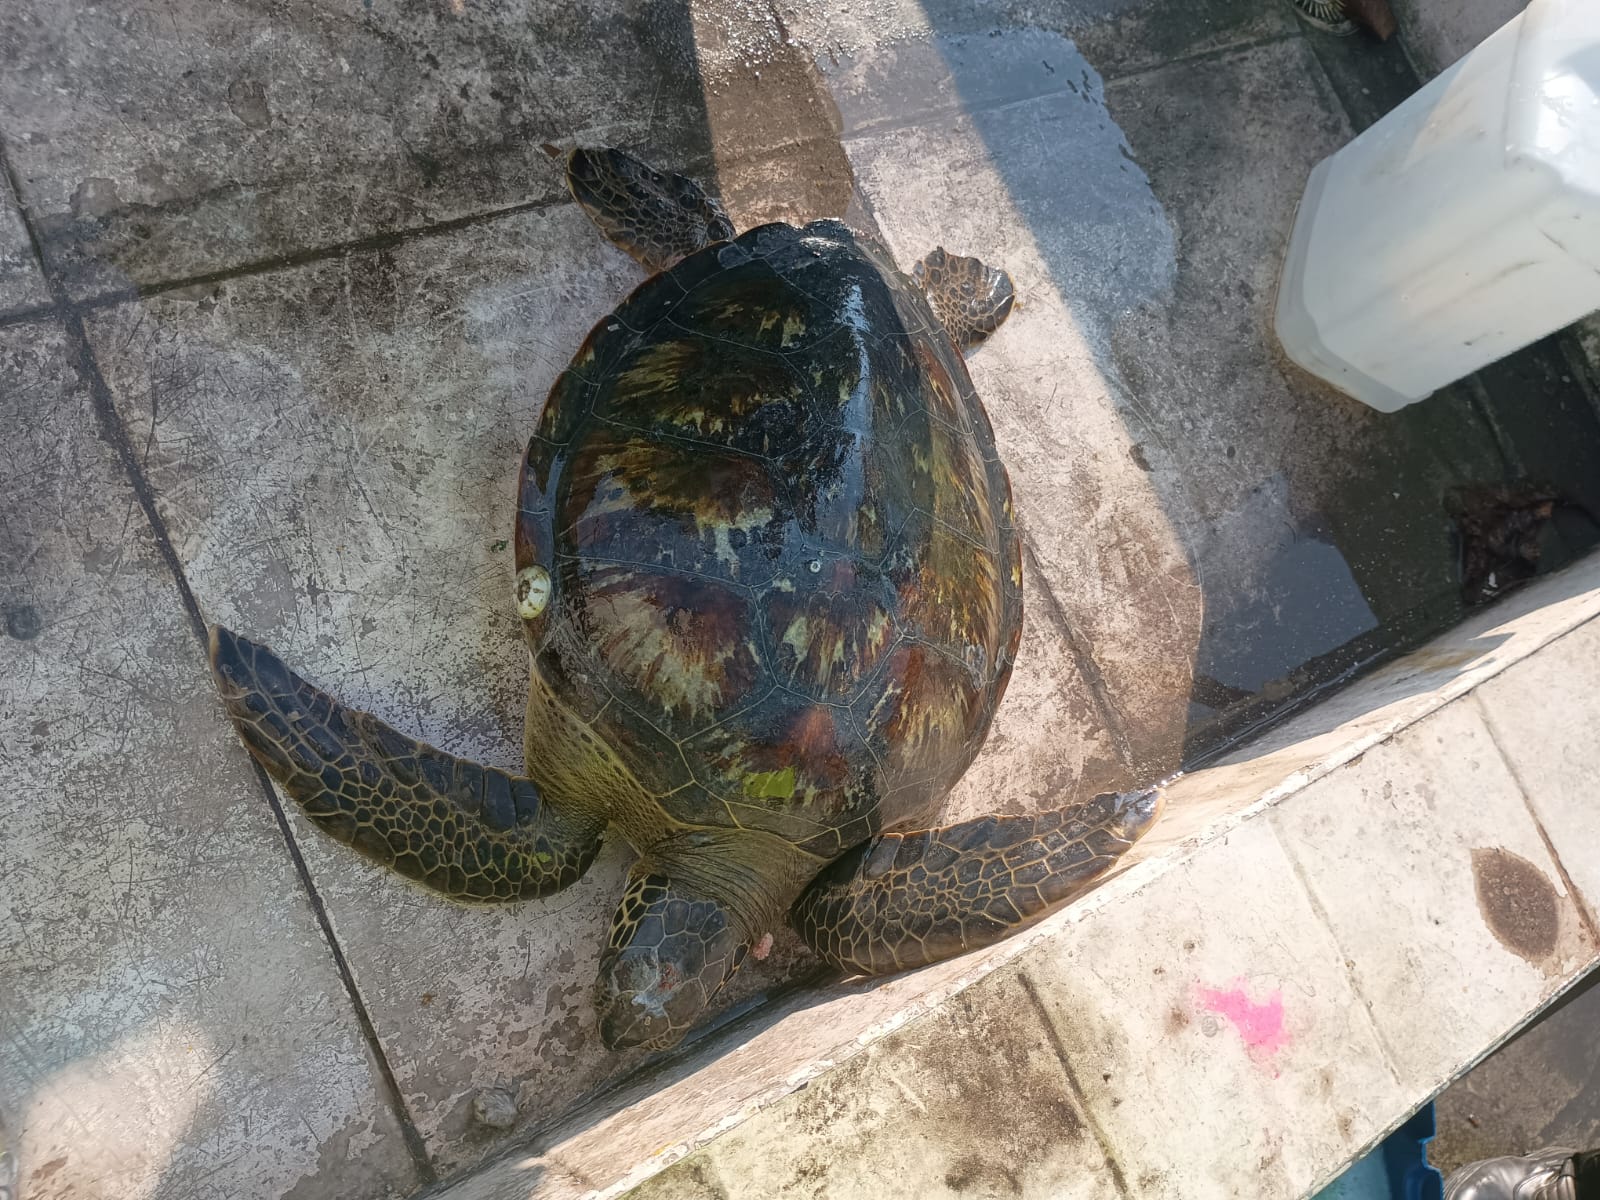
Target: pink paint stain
(1260,1026)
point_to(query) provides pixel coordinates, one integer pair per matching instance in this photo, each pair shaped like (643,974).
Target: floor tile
(963,1103)
(1437,831)
(1554,756)
(1160,1019)
(165,141)
(171,1018)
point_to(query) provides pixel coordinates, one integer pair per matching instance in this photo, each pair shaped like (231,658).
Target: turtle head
(670,951)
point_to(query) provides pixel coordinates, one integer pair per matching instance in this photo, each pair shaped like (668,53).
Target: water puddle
(1280,594)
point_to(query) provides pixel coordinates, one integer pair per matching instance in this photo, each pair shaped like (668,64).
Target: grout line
(393,238)
(1478,400)
(958,107)
(1391,1058)
(1356,121)
(558,197)
(1099,692)
(1411,59)
(417,1148)
(1211,54)
(1573,354)
(1087,667)
(1118,1178)
(366,244)
(1579,901)
(21,316)
(111,427)
(1351,119)
(14,182)
(115,434)
(332,250)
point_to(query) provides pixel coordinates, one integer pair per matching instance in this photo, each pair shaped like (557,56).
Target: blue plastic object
(1397,1170)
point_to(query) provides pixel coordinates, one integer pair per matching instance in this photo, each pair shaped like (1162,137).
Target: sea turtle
(772,592)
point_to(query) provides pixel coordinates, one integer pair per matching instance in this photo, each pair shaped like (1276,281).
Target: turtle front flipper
(656,216)
(970,298)
(471,832)
(903,900)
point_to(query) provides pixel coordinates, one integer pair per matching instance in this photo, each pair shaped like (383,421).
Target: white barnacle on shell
(533,591)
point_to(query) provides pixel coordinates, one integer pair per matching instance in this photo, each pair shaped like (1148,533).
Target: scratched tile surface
(171,1019)
(156,141)
(22,285)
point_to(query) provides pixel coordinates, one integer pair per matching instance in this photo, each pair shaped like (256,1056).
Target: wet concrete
(1518,904)
(325,272)
(1541,1089)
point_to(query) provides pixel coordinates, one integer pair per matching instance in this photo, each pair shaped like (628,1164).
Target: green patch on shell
(770,785)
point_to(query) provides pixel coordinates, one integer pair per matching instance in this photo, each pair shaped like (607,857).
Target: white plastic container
(1463,225)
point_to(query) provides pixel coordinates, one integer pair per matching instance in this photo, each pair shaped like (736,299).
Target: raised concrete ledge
(1326,928)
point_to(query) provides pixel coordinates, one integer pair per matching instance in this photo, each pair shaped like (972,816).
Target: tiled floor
(1542,1088)
(303,276)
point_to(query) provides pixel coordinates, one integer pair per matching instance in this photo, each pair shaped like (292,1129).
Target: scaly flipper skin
(970,298)
(903,900)
(468,831)
(656,216)
(670,951)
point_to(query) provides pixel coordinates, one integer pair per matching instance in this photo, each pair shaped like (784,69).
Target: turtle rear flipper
(469,831)
(970,298)
(904,900)
(656,216)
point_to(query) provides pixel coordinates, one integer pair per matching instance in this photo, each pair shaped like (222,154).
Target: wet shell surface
(765,551)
